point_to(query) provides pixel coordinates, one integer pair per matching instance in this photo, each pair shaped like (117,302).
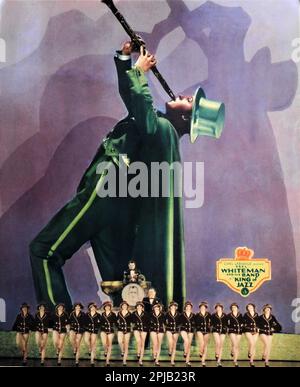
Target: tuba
(207,117)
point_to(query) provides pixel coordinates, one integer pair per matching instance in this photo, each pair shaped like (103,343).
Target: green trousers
(109,225)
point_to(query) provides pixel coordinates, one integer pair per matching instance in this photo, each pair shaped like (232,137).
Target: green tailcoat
(146,135)
(147,229)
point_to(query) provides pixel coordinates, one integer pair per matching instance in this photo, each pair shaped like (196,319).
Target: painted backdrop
(59,97)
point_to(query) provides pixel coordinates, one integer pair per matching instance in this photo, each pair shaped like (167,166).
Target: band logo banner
(243,273)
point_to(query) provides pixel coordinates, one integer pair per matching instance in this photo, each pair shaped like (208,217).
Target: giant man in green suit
(147,229)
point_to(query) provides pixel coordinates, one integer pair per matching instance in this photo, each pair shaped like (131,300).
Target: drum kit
(131,293)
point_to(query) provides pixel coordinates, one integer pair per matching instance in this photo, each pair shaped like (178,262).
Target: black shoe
(231,354)
(263,358)
(203,365)
(188,364)
(170,354)
(267,365)
(76,364)
(236,365)
(42,364)
(200,355)
(58,364)
(92,364)
(184,355)
(252,365)
(249,355)
(124,364)
(107,365)
(219,365)
(141,364)
(105,354)
(216,357)
(138,355)
(122,354)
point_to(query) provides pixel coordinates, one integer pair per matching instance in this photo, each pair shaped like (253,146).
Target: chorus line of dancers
(156,323)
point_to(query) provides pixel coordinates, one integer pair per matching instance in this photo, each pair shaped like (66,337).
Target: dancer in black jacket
(235,323)
(187,326)
(124,320)
(61,326)
(23,325)
(42,322)
(267,325)
(251,331)
(219,330)
(141,323)
(92,328)
(203,326)
(172,326)
(108,324)
(77,328)
(157,320)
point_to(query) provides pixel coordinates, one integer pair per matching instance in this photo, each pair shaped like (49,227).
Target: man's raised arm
(141,99)
(123,63)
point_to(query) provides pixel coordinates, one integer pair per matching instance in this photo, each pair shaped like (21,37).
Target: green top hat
(207,117)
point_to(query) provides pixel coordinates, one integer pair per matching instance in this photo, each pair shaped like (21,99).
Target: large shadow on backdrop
(245,196)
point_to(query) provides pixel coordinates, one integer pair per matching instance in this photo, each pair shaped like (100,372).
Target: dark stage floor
(85,363)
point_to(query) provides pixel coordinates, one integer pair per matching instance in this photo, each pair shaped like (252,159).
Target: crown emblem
(243,253)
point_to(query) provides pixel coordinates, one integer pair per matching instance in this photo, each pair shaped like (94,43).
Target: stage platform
(163,364)
(286,348)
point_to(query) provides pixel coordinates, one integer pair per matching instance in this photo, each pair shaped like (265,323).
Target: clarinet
(138,43)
